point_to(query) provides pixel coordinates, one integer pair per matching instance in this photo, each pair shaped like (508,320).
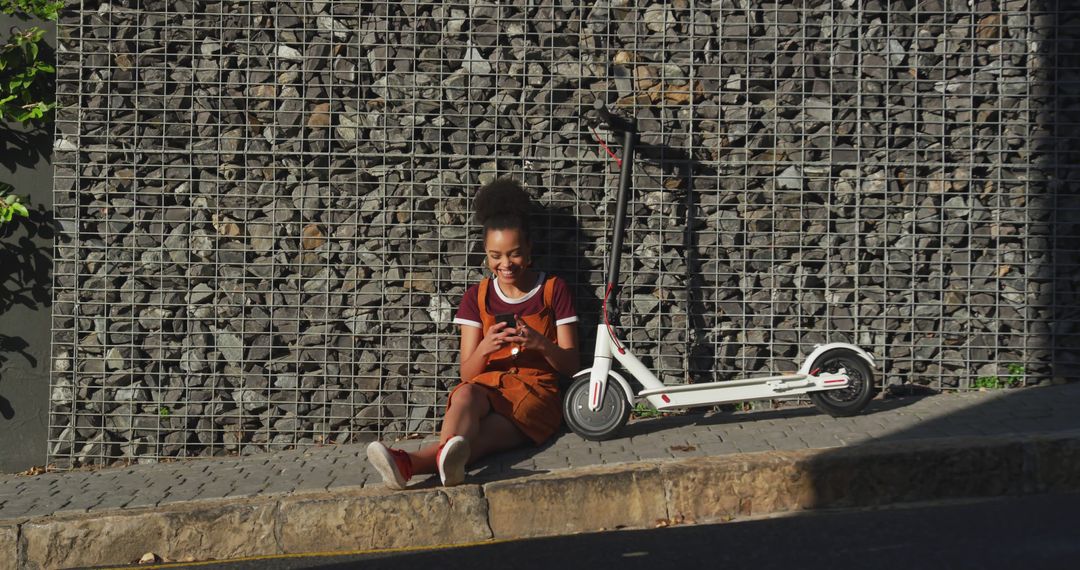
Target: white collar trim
(529,295)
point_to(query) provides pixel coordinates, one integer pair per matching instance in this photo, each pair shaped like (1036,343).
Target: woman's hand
(562,355)
(528,338)
(477,345)
(496,337)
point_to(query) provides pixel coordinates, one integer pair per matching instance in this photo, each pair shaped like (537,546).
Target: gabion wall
(266,205)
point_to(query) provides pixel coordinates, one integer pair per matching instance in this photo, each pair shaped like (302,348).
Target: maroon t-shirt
(468,313)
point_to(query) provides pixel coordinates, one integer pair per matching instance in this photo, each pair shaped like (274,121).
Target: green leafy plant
(38,8)
(10,206)
(643,410)
(25,88)
(986,383)
(23,77)
(1013,380)
(1016,375)
(164,412)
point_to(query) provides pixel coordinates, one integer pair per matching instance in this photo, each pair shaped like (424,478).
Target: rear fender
(823,348)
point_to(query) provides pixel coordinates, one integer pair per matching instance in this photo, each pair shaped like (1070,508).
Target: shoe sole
(383,462)
(452,467)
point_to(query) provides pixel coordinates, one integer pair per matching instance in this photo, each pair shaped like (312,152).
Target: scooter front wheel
(844,402)
(606,421)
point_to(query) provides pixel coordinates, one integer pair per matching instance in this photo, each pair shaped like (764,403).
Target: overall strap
(482,296)
(549,290)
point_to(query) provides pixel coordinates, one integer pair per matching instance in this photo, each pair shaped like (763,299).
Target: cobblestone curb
(630,495)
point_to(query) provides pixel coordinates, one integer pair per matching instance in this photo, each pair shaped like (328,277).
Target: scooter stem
(626,173)
(604,335)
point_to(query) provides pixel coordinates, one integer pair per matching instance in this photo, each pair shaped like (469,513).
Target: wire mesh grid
(267,205)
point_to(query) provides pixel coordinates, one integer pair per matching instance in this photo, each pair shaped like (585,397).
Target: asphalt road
(1027,532)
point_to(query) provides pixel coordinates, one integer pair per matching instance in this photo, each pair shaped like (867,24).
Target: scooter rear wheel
(606,421)
(844,402)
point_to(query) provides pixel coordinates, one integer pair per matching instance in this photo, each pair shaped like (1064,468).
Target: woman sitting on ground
(509,392)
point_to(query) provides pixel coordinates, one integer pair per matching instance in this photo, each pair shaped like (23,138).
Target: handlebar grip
(614,122)
(601,110)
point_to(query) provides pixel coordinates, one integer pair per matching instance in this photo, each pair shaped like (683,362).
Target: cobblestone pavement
(1025,411)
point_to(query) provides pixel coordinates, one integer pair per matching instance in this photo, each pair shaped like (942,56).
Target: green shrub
(37,8)
(24,91)
(9,204)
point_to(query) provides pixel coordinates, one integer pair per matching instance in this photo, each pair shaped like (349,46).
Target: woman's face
(507,254)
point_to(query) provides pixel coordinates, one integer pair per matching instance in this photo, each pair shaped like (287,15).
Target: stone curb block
(633,495)
(578,500)
(229,530)
(1057,466)
(363,520)
(916,471)
(723,488)
(9,547)
(347,519)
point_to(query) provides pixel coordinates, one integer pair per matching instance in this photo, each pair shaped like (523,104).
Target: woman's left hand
(528,338)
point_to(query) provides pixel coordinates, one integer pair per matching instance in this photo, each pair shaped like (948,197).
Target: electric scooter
(837,377)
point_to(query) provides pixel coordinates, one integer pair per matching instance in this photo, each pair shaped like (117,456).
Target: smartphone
(508,318)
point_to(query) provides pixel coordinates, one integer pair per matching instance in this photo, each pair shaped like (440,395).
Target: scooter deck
(723,384)
(711,393)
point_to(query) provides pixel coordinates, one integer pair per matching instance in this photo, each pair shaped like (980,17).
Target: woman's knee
(470,396)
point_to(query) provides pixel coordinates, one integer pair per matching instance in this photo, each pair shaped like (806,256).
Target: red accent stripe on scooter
(611,331)
(835,381)
(611,154)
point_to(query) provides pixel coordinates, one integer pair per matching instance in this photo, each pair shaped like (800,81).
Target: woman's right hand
(494,339)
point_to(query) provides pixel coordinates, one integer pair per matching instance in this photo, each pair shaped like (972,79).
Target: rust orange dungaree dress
(523,388)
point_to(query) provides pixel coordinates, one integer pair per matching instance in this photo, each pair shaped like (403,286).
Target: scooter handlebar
(612,121)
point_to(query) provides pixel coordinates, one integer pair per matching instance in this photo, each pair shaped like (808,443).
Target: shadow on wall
(656,160)
(564,241)
(25,267)
(1057,163)
(26,271)
(24,149)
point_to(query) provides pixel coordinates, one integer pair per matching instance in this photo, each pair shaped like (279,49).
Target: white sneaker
(451,459)
(393,464)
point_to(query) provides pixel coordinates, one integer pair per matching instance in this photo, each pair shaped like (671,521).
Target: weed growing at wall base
(1013,380)
(643,410)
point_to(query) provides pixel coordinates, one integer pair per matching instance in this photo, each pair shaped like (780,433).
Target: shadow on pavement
(945,453)
(1003,413)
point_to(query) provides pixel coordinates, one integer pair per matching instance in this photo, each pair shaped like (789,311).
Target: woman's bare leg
(468,406)
(497,433)
(423,459)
